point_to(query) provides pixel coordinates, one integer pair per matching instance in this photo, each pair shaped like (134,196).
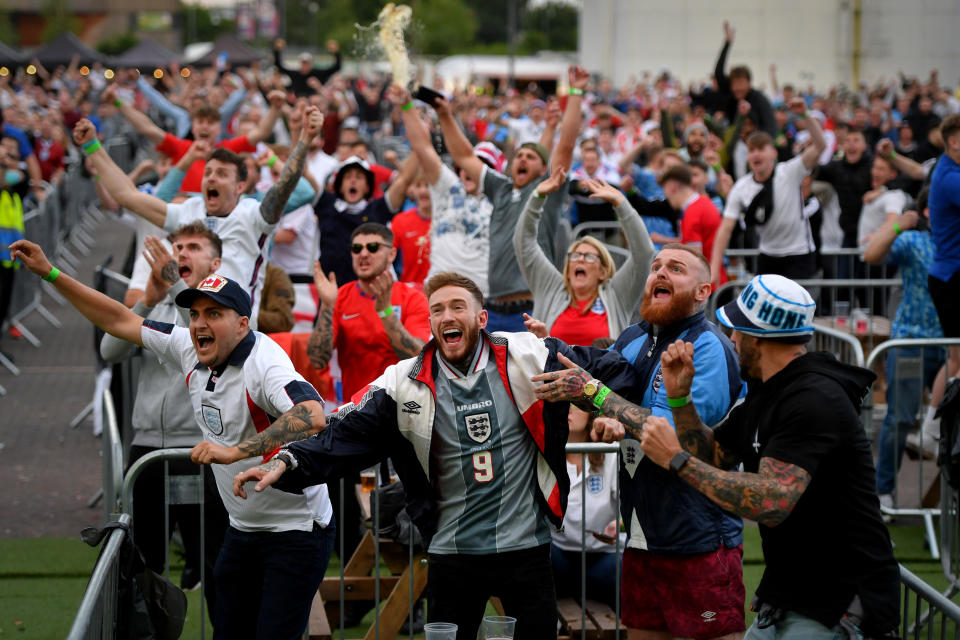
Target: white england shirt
(244,233)
(234,402)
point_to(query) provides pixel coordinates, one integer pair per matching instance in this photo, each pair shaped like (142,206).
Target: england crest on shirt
(478,427)
(595,483)
(212,419)
(598,307)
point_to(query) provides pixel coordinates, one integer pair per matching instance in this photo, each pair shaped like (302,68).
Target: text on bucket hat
(770,306)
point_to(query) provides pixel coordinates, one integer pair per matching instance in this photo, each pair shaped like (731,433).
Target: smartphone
(428,95)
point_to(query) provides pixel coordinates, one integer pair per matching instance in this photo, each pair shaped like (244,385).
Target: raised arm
(719,72)
(403,343)
(570,125)
(538,270)
(457,143)
(907,166)
(320,343)
(273,203)
(114,180)
(265,127)
(100,309)
(551,120)
(140,121)
(817,142)
(177,113)
(720,243)
(397,191)
(417,134)
(882,239)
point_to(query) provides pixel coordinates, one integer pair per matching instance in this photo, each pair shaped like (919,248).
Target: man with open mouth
(275,551)
(684,553)
(510,295)
(243,224)
(481,458)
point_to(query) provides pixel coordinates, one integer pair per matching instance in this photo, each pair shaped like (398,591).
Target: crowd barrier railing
(950,536)
(97,615)
(908,365)
(940,619)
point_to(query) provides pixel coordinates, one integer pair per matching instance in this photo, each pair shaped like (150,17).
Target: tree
(58,18)
(442,27)
(492,19)
(202,25)
(551,26)
(118,44)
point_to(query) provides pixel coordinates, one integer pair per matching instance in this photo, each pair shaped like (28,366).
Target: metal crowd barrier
(910,366)
(950,536)
(96,618)
(941,618)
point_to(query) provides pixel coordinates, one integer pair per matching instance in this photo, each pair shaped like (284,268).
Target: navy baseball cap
(771,307)
(219,289)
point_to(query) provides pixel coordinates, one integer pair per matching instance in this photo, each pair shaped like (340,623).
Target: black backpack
(948,456)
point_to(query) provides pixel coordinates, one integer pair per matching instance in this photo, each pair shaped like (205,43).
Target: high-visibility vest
(11,226)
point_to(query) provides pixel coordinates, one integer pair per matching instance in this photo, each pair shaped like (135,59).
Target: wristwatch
(287,458)
(677,461)
(590,389)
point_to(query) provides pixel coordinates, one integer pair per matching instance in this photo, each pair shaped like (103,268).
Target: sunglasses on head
(372,247)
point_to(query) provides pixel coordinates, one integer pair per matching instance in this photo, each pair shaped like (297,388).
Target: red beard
(682,305)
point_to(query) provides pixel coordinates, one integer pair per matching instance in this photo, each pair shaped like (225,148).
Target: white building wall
(810,42)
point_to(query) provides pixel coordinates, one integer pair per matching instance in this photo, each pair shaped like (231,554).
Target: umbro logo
(709,616)
(411,407)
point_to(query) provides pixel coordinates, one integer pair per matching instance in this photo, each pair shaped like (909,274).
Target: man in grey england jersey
(510,296)
(275,551)
(243,224)
(481,458)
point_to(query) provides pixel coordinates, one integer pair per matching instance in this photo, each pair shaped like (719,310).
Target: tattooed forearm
(404,344)
(296,424)
(169,272)
(276,199)
(630,415)
(274,464)
(320,344)
(767,496)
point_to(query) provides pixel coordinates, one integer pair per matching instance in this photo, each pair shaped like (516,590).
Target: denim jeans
(794,625)
(266,581)
(601,575)
(905,385)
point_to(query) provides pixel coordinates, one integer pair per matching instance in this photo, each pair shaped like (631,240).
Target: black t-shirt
(336,221)
(851,181)
(834,544)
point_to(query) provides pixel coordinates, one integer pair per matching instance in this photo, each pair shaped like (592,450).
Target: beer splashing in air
(393,19)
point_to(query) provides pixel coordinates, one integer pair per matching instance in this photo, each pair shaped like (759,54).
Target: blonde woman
(589,299)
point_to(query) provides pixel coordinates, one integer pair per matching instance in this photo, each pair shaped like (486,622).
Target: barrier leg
(32,339)
(49,317)
(931,535)
(3,391)
(80,417)
(12,368)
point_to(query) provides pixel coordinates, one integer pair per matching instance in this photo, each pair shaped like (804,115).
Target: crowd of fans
(331,200)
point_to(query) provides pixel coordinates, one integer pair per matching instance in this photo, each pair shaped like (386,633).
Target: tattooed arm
(320,344)
(276,199)
(403,343)
(302,421)
(767,496)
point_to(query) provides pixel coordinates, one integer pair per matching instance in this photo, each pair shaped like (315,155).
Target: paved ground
(48,471)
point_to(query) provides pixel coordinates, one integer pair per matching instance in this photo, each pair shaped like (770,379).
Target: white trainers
(886,502)
(923,443)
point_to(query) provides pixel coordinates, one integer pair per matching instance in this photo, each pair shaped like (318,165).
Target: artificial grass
(43,579)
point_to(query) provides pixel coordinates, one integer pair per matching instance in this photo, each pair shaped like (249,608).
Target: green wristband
(892,156)
(50,277)
(118,103)
(574,91)
(272,161)
(676,403)
(896,228)
(600,396)
(407,106)
(90,147)
(386,313)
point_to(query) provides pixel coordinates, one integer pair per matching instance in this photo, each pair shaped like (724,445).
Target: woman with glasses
(589,299)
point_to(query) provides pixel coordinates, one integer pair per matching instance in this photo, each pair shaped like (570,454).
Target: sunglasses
(576,256)
(372,247)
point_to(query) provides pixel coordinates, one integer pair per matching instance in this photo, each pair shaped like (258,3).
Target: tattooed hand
(210,453)
(609,430)
(265,475)
(676,365)
(162,264)
(659,441)
(565,385)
